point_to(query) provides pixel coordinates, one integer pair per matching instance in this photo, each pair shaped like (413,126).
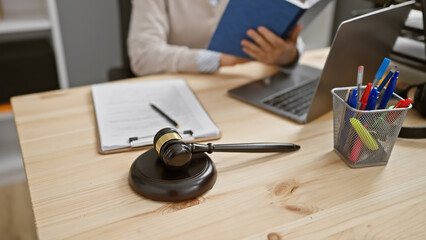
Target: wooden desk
(309,194)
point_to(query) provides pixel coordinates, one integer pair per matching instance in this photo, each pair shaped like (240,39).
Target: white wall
(91,39)
(318,33)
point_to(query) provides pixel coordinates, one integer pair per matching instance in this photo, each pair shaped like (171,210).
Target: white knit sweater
(167,35)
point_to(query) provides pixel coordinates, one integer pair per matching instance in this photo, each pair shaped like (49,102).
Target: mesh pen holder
(365,138)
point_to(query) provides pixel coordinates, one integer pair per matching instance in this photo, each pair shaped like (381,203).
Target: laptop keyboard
(296,101)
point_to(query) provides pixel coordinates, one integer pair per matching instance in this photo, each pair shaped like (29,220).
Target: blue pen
(348,114)
(389,91)
(385,81)
(372,99)
(352,98)
(381,71)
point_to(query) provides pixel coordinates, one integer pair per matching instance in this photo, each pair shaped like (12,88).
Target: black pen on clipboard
(164,115)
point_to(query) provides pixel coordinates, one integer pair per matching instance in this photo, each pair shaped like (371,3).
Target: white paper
(123,110)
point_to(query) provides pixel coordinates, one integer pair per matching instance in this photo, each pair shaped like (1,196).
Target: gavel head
(170,148)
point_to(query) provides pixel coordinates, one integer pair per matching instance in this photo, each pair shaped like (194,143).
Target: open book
(279,16)
(123,111)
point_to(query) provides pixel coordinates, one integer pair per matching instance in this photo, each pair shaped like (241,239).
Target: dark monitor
(410,46)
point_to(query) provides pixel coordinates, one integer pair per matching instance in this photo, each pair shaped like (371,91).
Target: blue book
(279,16)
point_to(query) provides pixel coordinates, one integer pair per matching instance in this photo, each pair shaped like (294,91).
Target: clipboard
(123,111)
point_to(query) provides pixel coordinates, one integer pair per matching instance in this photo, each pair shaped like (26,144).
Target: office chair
(125,9)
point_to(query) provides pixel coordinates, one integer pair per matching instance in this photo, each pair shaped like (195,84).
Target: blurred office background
(57,44)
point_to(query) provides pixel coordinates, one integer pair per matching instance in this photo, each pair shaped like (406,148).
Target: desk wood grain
(77,193)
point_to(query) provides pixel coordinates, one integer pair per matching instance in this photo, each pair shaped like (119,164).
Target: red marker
(356,149)
(364,98)
(403,103)
(391,117)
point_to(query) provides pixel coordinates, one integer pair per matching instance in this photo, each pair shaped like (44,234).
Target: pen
(348,114)
(372,99)
(365,95)
(389,90)
(164,115)
(381,71)
(347,95)
(359,83)
(370,104)
(392,116)
(352,98)
(403,103)
(356,149)
(385,81)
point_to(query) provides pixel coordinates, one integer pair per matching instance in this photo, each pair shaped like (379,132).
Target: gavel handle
(244,147)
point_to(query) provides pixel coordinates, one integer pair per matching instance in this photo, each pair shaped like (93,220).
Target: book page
(123,110)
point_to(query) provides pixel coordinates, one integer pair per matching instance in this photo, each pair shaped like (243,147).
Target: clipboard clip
(187,135)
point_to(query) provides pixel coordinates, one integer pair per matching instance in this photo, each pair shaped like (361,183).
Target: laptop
(303,94)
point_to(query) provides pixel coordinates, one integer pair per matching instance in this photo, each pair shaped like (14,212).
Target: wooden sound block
(151,179)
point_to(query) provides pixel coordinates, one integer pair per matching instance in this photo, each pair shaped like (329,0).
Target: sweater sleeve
(208,61)
(148,49)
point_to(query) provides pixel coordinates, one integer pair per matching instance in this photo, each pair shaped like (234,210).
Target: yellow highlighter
(364,135)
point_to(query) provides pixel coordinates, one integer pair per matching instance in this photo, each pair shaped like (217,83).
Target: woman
(169,36)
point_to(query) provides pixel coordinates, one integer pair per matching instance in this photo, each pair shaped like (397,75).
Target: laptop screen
(365,40)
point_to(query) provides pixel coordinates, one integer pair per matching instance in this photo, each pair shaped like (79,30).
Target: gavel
(176,154)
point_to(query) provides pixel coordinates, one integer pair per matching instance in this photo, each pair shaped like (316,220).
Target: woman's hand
(269,48)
